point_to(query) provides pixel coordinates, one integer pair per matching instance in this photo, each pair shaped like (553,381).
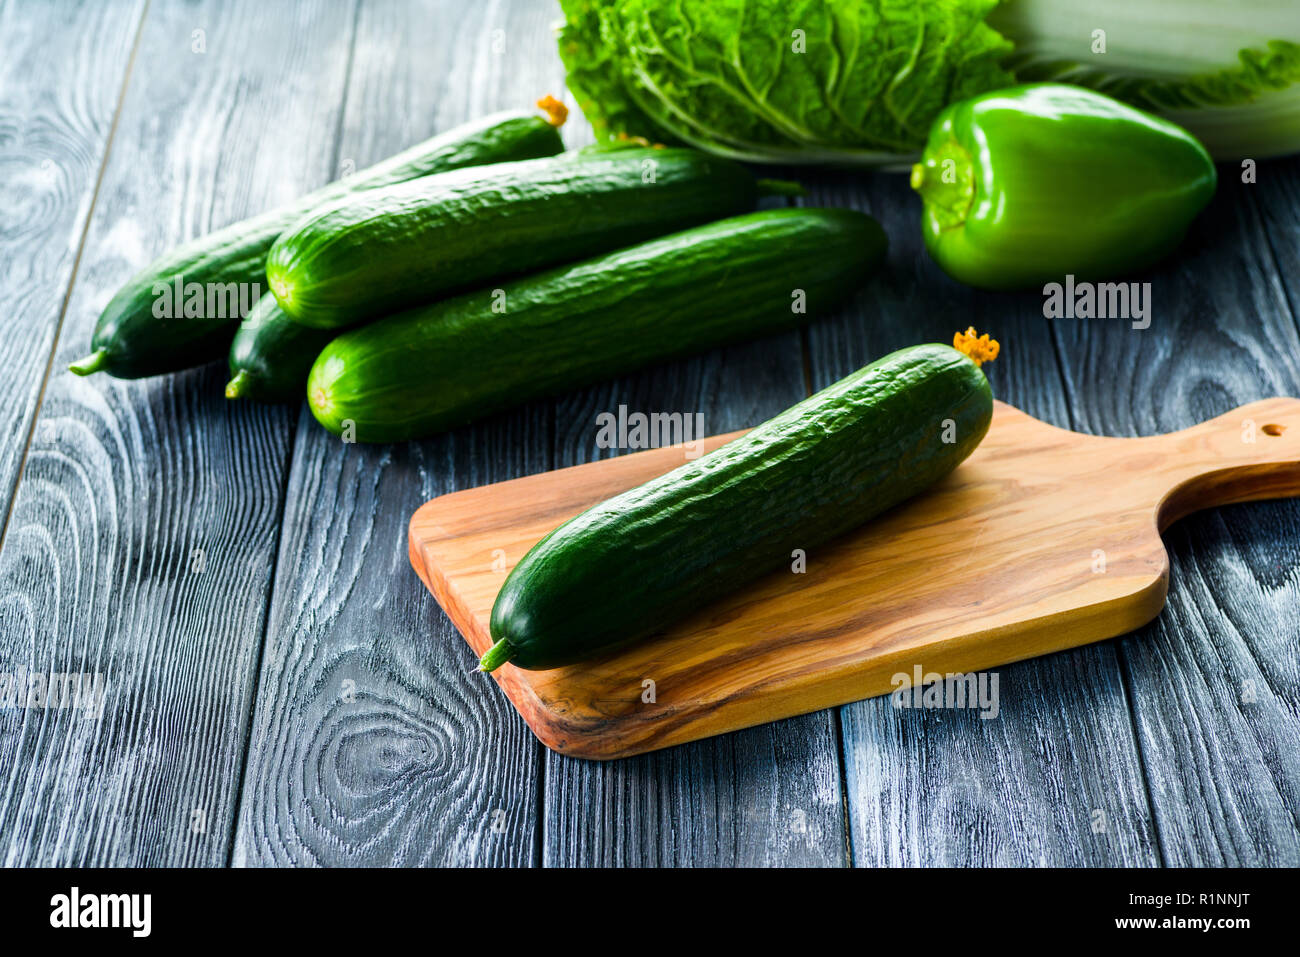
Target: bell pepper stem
(945,178)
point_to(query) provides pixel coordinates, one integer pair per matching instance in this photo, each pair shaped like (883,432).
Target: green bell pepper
(1026,185)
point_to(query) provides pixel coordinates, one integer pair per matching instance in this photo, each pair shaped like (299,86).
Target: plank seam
(347,91)
(539,805)
(1126,683)
(806,362)
(842,764)
(1058,353)
(72,276)
(836,714)
(256,688)
(1278,272)
(539,808)
(1120,661)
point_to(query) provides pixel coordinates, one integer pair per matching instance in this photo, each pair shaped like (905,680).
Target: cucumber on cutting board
(271,355)
(639,561)
(440,366)
(373,254)
(130,341)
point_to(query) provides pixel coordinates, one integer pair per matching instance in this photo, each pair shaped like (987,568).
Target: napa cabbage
(858,82)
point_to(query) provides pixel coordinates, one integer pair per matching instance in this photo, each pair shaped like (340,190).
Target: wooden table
(282,690)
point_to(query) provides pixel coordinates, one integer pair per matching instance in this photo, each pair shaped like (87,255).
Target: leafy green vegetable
(858,82)
(779,80)
(1229,72)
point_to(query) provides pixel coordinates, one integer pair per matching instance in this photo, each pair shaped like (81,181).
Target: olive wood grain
(1043,540)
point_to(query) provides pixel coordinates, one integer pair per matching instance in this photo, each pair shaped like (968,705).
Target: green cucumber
(636,563)
(271,355)
(409,244)
(143,330)
(433,368)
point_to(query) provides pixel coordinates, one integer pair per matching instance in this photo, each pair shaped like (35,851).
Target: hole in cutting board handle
(1272,429)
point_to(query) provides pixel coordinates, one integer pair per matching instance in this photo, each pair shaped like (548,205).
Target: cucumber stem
(496,656)
(780,187)
(556,112)
(91,363)
(235,387)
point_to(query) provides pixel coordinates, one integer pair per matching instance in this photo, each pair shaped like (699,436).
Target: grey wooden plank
(427,764)
(1278,208)
(373,743)
(61,79)
(768,795)
(1215,680)
(145,524)
(1036,784)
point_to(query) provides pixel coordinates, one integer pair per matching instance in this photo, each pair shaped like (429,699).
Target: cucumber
(408,244)
(439,366)
(228,266)
(639,561)
(271,355)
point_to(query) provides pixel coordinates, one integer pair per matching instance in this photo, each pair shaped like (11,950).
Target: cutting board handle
(1250,453)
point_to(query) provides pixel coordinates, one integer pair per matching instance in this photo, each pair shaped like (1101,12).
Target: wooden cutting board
(1043,539)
